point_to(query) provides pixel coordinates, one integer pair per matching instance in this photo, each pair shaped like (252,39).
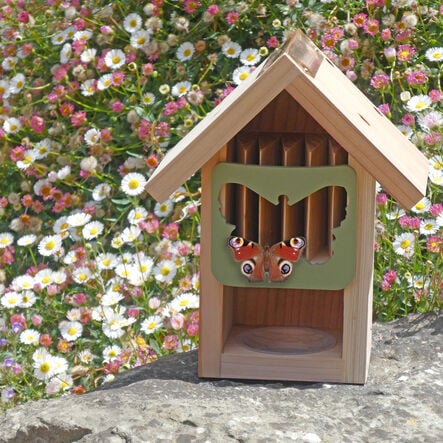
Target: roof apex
(331,99)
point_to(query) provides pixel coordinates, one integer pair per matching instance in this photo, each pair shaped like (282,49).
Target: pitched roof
(331,99)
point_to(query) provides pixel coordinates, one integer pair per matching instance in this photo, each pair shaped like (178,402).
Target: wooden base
(310,354)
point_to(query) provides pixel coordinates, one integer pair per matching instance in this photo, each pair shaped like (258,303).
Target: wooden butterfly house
(289,164)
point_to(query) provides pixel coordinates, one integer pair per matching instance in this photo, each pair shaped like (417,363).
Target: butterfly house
(289,163)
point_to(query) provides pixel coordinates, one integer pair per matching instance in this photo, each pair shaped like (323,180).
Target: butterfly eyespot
(247,267)
(297,242)
(236,242)
(285,267)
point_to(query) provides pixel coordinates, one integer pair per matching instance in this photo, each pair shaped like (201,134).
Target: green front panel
(296,183)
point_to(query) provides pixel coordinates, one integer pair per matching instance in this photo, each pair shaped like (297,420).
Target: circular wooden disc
(287,340)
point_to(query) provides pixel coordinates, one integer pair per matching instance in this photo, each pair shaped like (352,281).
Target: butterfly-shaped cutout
(275,262)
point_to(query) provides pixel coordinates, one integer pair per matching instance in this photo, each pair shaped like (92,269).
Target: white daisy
(11,300)
(144,265)
(137,278)
(181,88)
(50,245)
(422,206)
(436,176)
(104,82)
(9,63)
(106,260)
(163,209)
(185,51)
(250,56)
(28,299)
(82,274)
(111,353)
(65,53)
(87,88)
(45,368)
(70,330)
(22,282)
(60,365)
(74,314)
(88,55)
(132,22)
(6,239)
(101,191)
(139,39)
(123,270)
(439,219)
(85,356)
(85,34)
(231,49)
(130,233)
(29,337)
(395,214)
(59,277)
(165,271)
(58,38)
(133,183)
(240,74)
(137,215)
(188,300)
(78,219)
(418,103)
(4,88)
(111,298)
(428,227)
(151,324)
(115,58)
(29,157)
(17,83)
(44,277)
(404,244)
(70,258)
(92,230)
(43,148)
(434,54)
(113,325)
(148,99)
(12,125)
(61,225)
(59,383)
(92,136)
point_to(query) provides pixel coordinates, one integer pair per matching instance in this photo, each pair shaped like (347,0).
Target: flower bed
(96,277)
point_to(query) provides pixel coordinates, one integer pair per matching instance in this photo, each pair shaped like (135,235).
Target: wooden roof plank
(356,124)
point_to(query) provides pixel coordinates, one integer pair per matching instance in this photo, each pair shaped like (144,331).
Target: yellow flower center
(50,245)
(72,331)
(45,367)
(405,244)
(133,184)
(243,76)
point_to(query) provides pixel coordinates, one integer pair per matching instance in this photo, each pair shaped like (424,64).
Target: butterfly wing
(281,257)
(250,254)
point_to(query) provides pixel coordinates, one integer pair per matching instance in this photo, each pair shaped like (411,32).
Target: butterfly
(274,261)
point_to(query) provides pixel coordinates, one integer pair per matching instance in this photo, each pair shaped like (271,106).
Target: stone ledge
(166,401)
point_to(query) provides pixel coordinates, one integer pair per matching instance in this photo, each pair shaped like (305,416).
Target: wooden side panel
(358,295)
(316,229)
(212,305)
